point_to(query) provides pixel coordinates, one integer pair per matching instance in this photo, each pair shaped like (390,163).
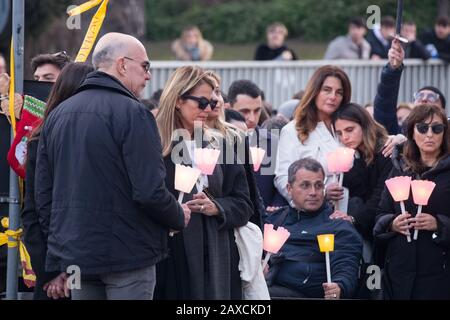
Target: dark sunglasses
(202,101)
(145,64)
(436,128)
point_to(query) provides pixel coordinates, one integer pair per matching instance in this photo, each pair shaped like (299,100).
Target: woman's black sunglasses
(436,128)
(202,101)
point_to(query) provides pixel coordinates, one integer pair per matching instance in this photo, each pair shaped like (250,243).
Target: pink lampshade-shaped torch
(185,178)
(257,155)
(206,159)
(340,161)
(273,240)
(399,190)
(421,190)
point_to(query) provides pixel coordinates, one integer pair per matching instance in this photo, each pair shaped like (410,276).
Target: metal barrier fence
(281,80)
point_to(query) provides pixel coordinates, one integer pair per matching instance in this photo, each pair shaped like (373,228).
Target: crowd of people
(101,167)
(358,43)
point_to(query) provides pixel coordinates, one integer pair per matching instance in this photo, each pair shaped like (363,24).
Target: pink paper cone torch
(274,239)
(344,157)
(206,159)
(185,178)
(332,162)
(421,190)
(399,187)
(257,155)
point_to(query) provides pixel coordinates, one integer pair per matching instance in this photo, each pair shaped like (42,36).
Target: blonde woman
(235,136)
(191,46)
(203,260)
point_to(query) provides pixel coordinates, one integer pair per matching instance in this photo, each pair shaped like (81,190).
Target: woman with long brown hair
(311,133)
(418,269)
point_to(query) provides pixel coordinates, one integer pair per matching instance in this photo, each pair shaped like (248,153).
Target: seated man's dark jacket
(100,182)
(301,266)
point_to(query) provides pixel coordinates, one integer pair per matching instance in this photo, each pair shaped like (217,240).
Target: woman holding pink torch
(418,269)
(357,130)
(203,258)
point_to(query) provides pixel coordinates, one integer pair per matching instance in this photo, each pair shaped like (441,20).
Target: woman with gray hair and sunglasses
(418,269)
(203,260)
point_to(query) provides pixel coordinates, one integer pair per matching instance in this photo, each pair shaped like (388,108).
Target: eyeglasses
(202,101)
(145,64)
(308,185)
(428,96)
(437,128)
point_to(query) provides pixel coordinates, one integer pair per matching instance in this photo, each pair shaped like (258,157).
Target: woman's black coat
(419,269)
(203,258)
(365,184)
(34,238)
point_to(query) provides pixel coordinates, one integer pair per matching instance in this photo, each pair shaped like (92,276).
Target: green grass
(304,50)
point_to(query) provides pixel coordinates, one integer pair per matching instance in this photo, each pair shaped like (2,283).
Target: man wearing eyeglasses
(298,270)
(100,191)
(385,104)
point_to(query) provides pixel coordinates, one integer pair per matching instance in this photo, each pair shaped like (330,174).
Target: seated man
(299,270)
